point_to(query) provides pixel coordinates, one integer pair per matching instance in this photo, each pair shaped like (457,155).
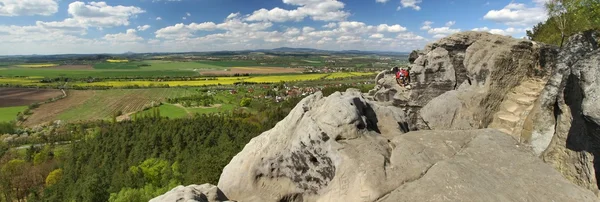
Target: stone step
(510,106)
(523,100)
(534,86)
(506,118)
(532,93)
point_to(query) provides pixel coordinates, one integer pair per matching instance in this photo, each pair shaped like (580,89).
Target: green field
(166,110)
(104,103)
(98,73)
(173,65)
(10,113)
(240,63)
(118,65)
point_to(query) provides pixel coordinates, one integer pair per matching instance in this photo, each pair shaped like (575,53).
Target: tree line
(566,17)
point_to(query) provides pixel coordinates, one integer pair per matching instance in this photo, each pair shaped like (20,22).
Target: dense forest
(566,17)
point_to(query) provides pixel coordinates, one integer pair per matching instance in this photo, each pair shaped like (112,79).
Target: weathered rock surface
(341,148)
(562,127)
(192,193)
(485,66)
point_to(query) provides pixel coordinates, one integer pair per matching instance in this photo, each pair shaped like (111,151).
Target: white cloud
(328,10)
(443,30)
(142,28)
(376,36)
(188,14)
(184,18)
(233,25)
(426,25)
(129,36)
(511,31)
(439,32)
(308,29)
(518,14)
(28,7)
(381,1)
(392,28)
(165,0)
(158,18)
(410,3)
(330,25)
(409,36)
(99,14)
(233,15)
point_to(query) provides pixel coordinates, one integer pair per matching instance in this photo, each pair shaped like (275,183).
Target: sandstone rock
(488,66)
(563,129)
(301,155)
(344,148)
(192,193)
(480,165)
(413,56)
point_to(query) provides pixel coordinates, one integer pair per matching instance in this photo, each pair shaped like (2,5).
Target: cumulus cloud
(129,36)
(158,18)
(142,28)
(330,25)
(426,25)
(511,31)
(376,36)
(381,1)
(188,14)
(28,7)
(440,32)
(100,14)
(414,4)
(390,28)
(518,14)
(233,25)
(327,10)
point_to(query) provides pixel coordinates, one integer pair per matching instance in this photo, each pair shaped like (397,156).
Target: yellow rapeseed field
(285,78)
(36,65)
(110,60)
(196,82)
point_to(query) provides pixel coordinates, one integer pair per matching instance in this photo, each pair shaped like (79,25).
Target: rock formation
(193,193)
(540,107)
(333,149)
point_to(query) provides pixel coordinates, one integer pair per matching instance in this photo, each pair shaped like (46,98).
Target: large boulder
(345,148)
(193,193)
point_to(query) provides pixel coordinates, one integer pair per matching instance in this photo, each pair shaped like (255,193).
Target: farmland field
(254,70)
(173,65)
(198,82)
(10,113)
(116,61)
(36,65)
(167,110)
(285,78)
(102,104)
(99,73)
(118,65)
(24,96)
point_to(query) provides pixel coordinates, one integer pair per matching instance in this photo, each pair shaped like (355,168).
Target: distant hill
(275,51)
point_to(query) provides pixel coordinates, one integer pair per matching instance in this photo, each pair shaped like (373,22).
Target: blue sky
(111,26)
